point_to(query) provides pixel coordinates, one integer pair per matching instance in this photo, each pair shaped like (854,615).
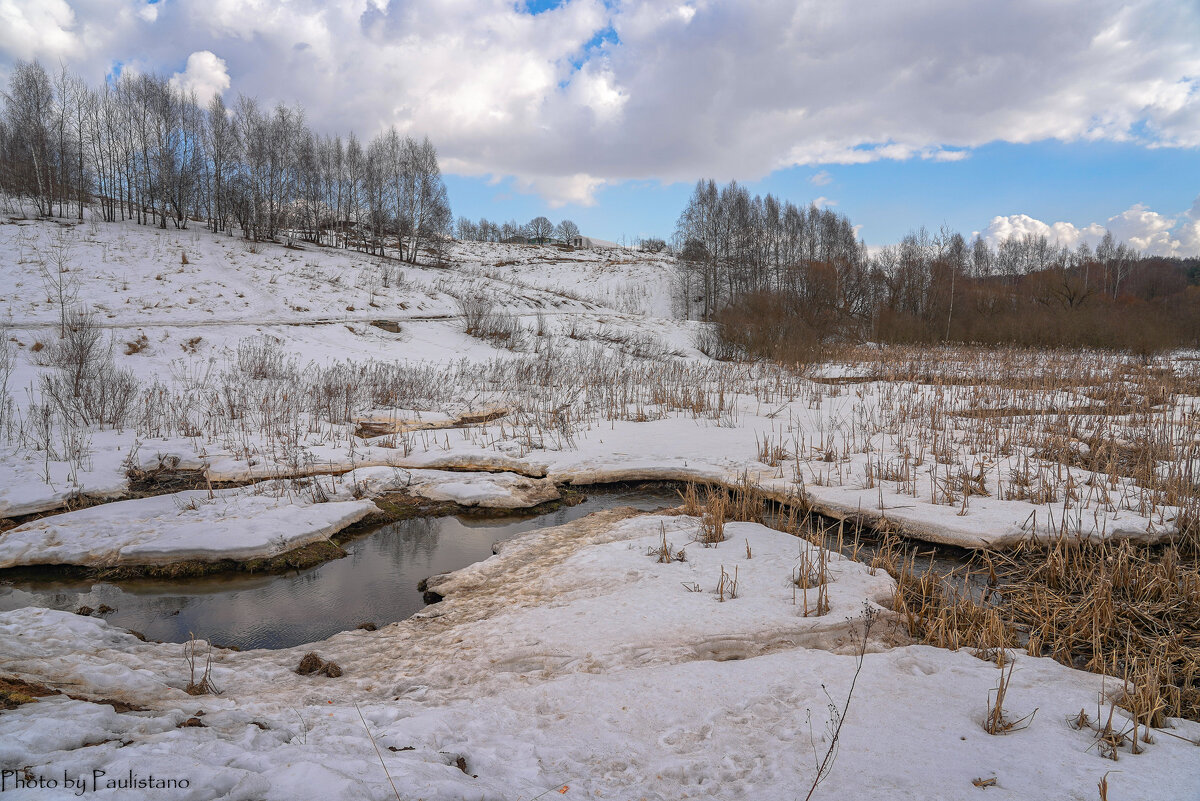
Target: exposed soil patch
(14,692)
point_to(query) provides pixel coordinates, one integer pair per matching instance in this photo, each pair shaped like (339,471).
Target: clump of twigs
(204,685)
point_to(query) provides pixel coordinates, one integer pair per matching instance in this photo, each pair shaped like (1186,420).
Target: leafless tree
(540,229)
(567,230)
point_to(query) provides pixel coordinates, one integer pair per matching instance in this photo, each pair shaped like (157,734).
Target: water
(376,582)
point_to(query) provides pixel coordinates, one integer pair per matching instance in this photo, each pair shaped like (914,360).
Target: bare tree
(29,105)
(567,231)
(540,229)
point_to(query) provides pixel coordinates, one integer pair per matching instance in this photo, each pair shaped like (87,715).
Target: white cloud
(561,190)
(205,74)
(674,90)
(37,28)
(1145,230)
(1141,228)
(821,178)
(1189,229)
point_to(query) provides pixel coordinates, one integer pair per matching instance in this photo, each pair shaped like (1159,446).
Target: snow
(575,659)
(260,520)
(181,526)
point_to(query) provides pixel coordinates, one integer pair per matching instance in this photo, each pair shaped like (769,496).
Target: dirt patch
(14,692)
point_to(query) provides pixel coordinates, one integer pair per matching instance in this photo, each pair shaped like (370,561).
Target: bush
(86,386)
(480,319)
(765,325)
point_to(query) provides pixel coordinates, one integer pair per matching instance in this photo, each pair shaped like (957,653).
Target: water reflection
(376,582)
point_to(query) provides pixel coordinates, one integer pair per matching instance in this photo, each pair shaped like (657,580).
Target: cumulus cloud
(37,28)
(205,74)
(1140,227)
(662,88)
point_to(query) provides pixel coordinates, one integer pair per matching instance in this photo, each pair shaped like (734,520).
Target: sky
(1055,117)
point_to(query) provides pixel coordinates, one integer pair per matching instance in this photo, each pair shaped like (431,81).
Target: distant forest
(784,281)
(140,148)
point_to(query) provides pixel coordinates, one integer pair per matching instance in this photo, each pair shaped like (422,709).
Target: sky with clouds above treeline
(1059,118)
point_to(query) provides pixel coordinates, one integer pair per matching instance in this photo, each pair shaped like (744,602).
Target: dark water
(376,582)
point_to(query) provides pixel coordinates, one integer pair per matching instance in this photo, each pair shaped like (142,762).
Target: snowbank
(260,520)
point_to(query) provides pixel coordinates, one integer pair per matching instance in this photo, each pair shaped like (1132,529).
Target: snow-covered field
(573,658)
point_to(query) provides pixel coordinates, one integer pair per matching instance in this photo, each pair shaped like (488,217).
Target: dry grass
(997,721)
(14,692)
(712,520)
(665,552)
(1122,609)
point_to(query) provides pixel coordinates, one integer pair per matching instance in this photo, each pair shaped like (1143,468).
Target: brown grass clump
(313,664)
(137,345)
(309,664)
(712,521)
(691,500)
(997,722)
(1127,610)
(934,610)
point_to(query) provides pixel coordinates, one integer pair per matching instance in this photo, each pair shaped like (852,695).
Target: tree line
(539,229)
(141,148)
(782,281)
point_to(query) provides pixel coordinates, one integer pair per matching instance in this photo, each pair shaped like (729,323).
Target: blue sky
(1078,182)
(1054,117)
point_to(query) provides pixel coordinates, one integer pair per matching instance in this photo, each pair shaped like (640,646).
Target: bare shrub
(262,358)
(475,311)
(7,362)
(482,320)
(708,340)
(765,325)
(60,283)
(86,386)
(203,684)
